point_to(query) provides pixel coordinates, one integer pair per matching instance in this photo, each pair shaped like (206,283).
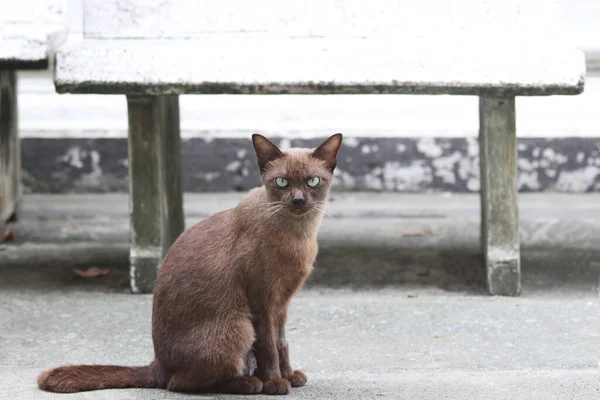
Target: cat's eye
(312,182)
(281,182)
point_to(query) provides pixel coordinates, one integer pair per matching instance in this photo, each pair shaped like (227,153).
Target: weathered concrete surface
(499,205)
(89,164)
(140,19)
(67,215)
(520,50)
(31,31)
(155,185)
(368,240)
(238,67)
(388,313)
(10,149)
(399,343)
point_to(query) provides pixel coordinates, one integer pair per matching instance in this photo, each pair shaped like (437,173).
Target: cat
(222,293)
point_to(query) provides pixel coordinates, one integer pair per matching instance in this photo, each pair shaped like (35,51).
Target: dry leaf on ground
(92,272)
(8,236)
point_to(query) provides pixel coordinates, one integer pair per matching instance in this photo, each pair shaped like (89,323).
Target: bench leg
(499,209)
(10,154)
(156,202)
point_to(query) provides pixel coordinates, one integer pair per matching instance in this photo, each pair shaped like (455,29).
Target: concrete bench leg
(156,202)
(10,154)
(499,209)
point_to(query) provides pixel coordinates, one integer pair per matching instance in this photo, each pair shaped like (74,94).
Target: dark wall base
(379,164)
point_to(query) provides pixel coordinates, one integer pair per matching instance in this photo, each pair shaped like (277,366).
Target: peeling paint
(343,179)
(285,144)
(525,165)
(473,184)
(374,180)
(73,157)
(579,180)
(549,154)
(378,164)
(208,176)
(241,153)
(465,168)
(444,167)
(373,183)
(94,177)
(429,147)
(408,178)
(233,166)
(528,180)
(472,147)
(351,142)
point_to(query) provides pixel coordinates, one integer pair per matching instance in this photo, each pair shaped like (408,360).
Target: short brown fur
(223,290)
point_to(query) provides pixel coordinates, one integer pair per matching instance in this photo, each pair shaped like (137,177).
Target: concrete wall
(63,132)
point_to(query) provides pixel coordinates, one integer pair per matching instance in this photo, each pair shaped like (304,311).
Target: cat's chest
(294,254)
(289,265)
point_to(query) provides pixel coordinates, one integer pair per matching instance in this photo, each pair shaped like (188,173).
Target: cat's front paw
(297,378)
(277,386)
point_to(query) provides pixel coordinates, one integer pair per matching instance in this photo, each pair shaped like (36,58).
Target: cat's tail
(80,378)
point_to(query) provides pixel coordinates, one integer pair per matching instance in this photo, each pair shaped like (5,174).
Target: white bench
(29,32)
(153,51)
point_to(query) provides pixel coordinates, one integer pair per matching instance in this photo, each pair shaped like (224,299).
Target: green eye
(312,182)
(281,182)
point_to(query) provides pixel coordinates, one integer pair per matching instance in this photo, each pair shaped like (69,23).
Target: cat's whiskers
(265,215)
(275,208)
(320,207)
(275,204)
(272,213)
(272,209)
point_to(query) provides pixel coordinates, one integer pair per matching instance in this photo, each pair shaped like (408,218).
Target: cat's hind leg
(219,376)
(214,359)
(222,379)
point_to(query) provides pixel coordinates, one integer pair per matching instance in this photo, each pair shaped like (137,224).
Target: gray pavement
(395,343)
(395,309)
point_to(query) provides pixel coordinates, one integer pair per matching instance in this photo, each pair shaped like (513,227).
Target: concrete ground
(396,307)
(367,344)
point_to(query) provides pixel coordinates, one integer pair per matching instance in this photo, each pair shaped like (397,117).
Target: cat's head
(297,179)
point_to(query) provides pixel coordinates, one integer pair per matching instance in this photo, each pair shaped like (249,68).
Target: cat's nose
(298,200)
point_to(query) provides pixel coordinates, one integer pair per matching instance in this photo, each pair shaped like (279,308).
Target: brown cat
(222,293)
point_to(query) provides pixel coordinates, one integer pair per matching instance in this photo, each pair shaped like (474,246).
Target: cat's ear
(328,150)
(265,151)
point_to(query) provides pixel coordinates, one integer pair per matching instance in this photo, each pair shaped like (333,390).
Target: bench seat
(267,65)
